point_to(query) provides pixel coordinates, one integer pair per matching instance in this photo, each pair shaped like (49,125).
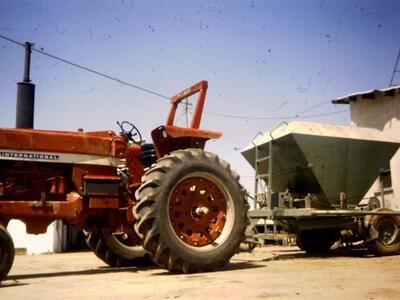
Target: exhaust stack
(25,94)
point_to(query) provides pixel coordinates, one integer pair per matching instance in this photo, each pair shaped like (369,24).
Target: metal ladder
(260,178)
(262,193)
(395,70)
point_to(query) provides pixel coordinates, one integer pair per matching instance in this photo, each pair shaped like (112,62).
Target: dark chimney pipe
(25,94)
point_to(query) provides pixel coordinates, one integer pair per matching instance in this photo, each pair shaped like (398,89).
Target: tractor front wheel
(191,212)
(7,252)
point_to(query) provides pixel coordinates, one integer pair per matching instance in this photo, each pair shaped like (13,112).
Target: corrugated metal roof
(371,94)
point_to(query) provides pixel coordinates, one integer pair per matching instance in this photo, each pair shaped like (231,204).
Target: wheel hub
(197,211)
(202,210)
(388,232)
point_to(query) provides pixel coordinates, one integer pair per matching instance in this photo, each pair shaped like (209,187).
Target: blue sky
(261,59)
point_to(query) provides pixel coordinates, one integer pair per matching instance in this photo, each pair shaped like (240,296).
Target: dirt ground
(266,273)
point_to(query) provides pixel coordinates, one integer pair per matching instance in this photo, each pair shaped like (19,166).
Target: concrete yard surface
(266,273)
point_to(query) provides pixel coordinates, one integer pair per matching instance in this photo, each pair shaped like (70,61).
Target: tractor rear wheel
(113,250)
(191,212)
(388,229)
(317,241)
(7,252)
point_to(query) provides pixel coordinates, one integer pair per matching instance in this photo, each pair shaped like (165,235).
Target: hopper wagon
(312,179)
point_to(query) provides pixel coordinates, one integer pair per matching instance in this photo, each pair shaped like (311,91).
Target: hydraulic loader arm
(169,137)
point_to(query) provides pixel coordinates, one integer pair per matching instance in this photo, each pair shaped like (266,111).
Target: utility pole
(25,94)
(187,112)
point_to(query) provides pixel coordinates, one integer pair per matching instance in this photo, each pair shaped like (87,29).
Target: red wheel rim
(197,211)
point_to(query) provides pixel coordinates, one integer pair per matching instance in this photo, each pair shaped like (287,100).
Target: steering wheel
(130,132)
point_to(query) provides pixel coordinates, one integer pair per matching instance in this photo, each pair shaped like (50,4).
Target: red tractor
(170,200)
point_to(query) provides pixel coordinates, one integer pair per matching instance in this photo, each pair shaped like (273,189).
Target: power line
(315,106)
(11,40)
(322,114)
(166,97)
(296,116)
(102,74)
(88,69)
(234,133)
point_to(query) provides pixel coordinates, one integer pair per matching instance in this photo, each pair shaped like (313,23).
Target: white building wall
(34,244)
(382,113)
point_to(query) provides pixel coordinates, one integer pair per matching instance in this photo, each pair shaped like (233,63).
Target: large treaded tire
(7,252)
(113,252)
(388,229)
(204,236)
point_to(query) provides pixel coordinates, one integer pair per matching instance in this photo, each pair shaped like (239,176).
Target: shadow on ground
(102,270)
(287,254)
(232,266)
(11,284)
(237,264)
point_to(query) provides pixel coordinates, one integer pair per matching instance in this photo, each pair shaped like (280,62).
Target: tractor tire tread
(146,212)
(7,252)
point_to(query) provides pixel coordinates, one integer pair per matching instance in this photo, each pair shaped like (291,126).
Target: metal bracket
(42,203)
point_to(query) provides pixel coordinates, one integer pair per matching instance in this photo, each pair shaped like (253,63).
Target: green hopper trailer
(312,180)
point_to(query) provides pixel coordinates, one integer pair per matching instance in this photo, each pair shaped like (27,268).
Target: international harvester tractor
(170,200)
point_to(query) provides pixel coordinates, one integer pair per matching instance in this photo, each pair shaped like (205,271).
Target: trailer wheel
(191,212)
(317,241)
(7,252)
(251,242)
(388,229)
(112,249)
